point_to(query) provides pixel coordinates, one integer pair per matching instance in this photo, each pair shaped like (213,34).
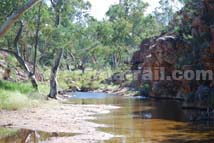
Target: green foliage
(12,86)
(16,95)
(177,29)
(167,9)
(44,88)
(91,43)
(130,25)
(7,7)
(12,60)
(13,100)
(89,80)
(5,132)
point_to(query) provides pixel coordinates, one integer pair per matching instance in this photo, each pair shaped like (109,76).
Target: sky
(100,7)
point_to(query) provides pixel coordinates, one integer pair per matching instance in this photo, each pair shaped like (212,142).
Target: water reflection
(30,136)
(168,110)
(152,121)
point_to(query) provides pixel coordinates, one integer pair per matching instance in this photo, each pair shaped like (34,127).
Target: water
(142,120)
(139,120)
(28,136)
(89,95)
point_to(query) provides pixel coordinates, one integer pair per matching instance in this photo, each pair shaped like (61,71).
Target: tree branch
(37,37)
(18,35)
(8,51)
(53,3)
(15,16)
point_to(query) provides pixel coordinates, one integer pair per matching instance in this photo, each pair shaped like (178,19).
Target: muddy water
(29,136)
(139,120)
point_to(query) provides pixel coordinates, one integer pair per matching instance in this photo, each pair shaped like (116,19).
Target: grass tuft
(13,86)
(5,132)
(15,96)
(11,100)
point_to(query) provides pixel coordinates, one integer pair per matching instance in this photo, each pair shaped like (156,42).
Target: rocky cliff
(188,45)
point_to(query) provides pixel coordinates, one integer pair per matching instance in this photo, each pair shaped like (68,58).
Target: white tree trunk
(53,79)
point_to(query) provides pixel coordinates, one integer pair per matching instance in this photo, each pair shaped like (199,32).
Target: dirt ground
(60,118)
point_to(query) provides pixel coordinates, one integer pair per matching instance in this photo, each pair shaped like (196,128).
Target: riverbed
(98,117)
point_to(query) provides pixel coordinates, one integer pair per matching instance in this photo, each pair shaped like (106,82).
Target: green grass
(15,96)
(13,100)
(13,86)
(5,132)
(44,88)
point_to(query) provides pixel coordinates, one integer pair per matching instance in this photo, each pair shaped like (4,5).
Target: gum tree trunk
(53,79)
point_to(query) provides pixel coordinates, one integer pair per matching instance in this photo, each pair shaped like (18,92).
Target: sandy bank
(60,118)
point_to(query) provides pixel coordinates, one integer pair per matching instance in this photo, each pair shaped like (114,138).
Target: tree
(165,12)
(130,26)
(17,52)
(64,30)
(69,11)
(19,58)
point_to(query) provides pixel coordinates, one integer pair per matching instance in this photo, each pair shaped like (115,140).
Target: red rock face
(208,57)
(166,51)
(203,28)
(145,44)
(137,58)
(199,27)
(196,22)
(159,55)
